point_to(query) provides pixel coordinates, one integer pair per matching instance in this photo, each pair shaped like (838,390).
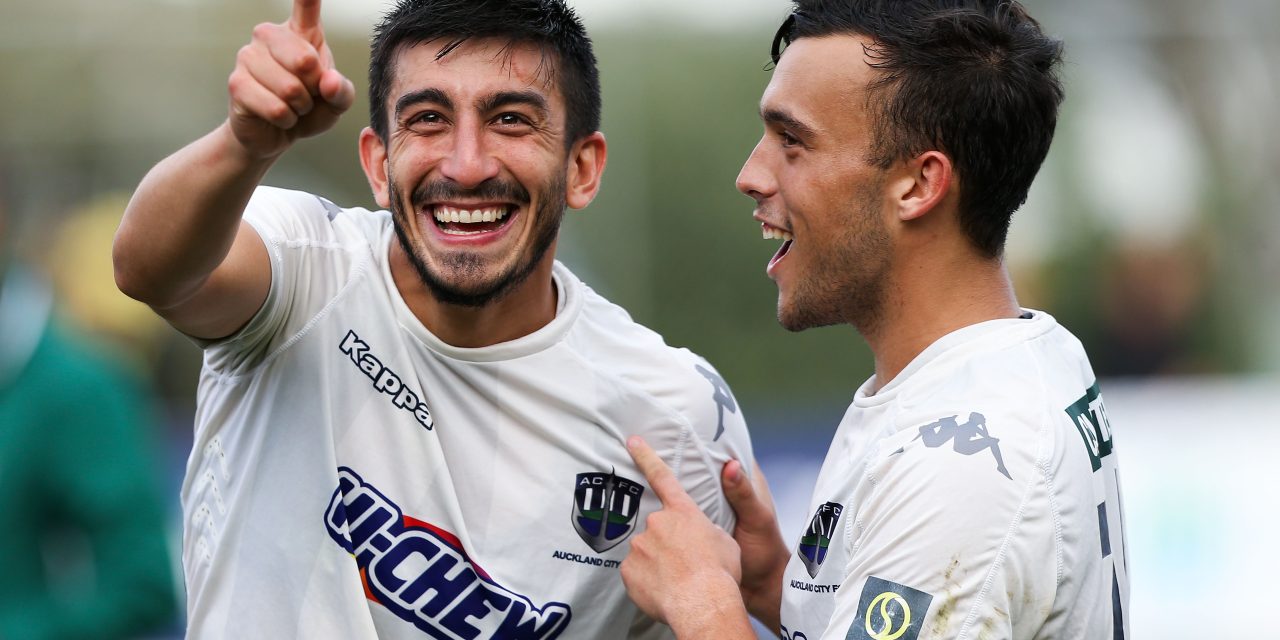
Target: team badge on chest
(817,538)
(604,509)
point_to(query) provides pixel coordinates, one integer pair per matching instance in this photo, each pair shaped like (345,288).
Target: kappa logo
(721,395)
(967,439)
(384,379)
(421,573)
(604,509)
(889,611)
(817,538)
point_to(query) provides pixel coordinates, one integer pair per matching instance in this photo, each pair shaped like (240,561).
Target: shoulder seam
(358,271)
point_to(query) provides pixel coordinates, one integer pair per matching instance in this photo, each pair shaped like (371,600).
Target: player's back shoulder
(1001,389)
(1023,366)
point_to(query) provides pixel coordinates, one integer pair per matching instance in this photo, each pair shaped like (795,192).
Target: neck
(523,310)
(931,299)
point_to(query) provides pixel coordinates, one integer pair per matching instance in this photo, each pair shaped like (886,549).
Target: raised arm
(182,247)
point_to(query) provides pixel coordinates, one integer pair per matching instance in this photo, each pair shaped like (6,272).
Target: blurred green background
(1152,231)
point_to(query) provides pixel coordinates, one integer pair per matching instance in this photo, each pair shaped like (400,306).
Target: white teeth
(463,216)
(773,233)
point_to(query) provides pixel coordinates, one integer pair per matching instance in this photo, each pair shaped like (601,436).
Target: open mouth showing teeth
(462,222)
(774,233)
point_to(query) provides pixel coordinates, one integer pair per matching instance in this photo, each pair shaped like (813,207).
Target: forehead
(477,67)
(822,82)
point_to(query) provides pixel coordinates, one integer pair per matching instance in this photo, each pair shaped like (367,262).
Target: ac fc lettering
(622,485)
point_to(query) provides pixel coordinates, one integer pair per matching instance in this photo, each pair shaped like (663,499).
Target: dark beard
(547,218)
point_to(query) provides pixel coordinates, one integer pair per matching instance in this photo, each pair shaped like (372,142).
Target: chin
(797,317)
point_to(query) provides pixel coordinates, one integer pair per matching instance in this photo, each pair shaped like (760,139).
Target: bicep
(231,295)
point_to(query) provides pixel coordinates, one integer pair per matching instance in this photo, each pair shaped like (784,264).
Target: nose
(468,162)
(754,179)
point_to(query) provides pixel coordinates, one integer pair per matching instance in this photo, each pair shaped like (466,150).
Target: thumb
(338,92)
(753,507)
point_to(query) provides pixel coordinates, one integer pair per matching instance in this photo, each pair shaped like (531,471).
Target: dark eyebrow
(787,121)
(422,95)
(505,98)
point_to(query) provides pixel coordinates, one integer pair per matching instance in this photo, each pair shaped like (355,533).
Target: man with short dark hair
(411,422)
(970,490)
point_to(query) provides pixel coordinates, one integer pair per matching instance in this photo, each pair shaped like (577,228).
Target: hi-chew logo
(421,573)
(817,538)
(384,379)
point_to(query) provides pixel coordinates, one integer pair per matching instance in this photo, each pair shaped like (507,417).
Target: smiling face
(816,190)
(475,168)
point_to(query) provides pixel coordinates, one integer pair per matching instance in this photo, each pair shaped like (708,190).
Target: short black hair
(548,24)
(975,79)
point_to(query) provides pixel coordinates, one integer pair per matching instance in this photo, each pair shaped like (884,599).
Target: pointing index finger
(660,477)
(306,16)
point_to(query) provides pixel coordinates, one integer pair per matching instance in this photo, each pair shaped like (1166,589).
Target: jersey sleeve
(718,434)
(310,261)
(955,536)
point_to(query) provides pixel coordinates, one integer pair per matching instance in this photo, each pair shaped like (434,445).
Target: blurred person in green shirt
(82,539)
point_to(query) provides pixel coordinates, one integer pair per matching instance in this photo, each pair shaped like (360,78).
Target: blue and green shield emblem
(604,509)
(816,539)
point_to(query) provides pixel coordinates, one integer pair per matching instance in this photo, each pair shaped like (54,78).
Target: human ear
(924,183)
(584,170)
(373,159)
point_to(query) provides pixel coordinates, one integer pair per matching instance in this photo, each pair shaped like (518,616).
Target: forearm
(716,612)
(183,218)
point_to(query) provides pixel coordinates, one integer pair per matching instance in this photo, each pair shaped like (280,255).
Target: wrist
(763,595)
(715,611)
(234,149)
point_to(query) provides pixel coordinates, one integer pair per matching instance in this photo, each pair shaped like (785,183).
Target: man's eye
(426,117)
(511,119)
(788,140)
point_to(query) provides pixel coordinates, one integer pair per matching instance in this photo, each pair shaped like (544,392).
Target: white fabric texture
(968,499)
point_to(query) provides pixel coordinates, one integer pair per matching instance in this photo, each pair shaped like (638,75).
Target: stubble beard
(459,267)
(847,284)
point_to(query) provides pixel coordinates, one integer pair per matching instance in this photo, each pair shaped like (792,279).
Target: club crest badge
(813,544)
(604,509)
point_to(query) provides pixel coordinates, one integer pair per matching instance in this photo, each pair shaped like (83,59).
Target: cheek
(531,165)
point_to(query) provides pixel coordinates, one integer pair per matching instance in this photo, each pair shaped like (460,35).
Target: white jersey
(355,477)
(974,496)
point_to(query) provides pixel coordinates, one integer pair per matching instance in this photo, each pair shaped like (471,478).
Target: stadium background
(1152,232)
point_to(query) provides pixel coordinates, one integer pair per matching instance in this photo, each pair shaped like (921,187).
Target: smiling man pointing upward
(411,422)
